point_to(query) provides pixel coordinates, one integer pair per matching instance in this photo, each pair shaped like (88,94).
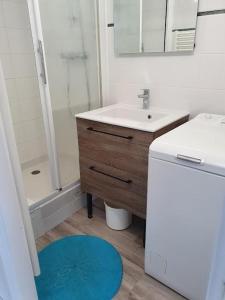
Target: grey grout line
(211,12)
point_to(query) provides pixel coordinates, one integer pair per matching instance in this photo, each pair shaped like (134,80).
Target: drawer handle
(92,168)
(113,134)
(189,159)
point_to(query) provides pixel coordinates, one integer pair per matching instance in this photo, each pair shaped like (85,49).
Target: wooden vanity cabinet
(114,163)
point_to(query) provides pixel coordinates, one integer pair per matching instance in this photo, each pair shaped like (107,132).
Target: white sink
(132,114)
(134,117)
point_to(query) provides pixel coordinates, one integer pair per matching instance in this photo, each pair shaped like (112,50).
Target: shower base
(37,180)
(48,207)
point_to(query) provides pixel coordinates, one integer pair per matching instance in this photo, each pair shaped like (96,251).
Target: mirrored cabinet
(154,26)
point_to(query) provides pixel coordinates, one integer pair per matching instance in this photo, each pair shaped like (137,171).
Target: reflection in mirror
(181,25)
(153,26)
(127,29)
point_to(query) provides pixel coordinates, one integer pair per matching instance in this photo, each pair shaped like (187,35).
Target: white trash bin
(117,218)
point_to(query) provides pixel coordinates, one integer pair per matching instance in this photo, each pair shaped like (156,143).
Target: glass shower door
(69,30)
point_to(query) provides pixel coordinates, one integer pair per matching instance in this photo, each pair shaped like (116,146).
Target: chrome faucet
(146,98)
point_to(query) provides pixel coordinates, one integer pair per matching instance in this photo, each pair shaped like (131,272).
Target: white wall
(16,267)
(194,82)
(16,53)
(216,288)
(4,289)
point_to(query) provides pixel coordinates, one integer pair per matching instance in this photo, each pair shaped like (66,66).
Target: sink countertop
(132,116)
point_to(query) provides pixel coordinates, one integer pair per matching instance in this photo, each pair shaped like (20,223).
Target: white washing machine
(186,196)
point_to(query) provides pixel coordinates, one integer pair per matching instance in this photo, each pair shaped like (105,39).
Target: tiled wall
(62,35)
(195,82)
(16,54)
(69,30)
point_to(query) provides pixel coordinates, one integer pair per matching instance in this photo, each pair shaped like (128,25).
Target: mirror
(154,26)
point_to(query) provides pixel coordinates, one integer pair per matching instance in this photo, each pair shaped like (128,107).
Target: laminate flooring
(136,284)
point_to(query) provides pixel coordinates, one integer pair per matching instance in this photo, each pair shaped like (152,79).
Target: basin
(132,116)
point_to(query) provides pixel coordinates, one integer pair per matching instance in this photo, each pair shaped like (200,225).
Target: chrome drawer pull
(92,168)
(113,134)
(189,159)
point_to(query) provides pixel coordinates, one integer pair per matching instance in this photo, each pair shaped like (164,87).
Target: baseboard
(54,212)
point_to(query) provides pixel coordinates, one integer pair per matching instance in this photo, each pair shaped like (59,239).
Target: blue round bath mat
(79,268)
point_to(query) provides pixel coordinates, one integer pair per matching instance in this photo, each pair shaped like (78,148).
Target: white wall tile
(4,45)
(1,15)
(195,100)
(29,131)
(15,110)
(21,1)
(27,88)
(211,71)
(126,93)
(11,88)
(195,82)
(210,36)
(16,53)
(15,14)
(20,41)
(29,151)
(24,65)
(7,65)
(30,109)
(205,5)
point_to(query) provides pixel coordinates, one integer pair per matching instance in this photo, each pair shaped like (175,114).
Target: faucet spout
(146,98)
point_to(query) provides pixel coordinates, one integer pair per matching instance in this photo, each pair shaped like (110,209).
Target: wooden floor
(136,284)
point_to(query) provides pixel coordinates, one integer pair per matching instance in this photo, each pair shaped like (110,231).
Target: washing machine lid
(199,143)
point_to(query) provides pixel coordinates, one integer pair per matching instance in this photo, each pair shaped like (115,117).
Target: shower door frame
(47,112)
(37,35)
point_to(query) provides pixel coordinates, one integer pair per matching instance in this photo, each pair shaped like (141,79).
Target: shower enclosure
(61,79)
(66,45)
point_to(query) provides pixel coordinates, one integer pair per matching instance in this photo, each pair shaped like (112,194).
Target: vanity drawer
(112,146)
(114,162)
(123,135)
(114,186)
